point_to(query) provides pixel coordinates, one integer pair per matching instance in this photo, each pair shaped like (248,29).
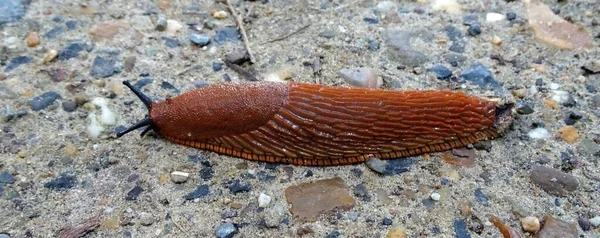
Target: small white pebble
(386,6)
(595,221)
(494,17)
(435,196)
(538,133)
(560,96)
(263,200)
(449,6)
(251,171)
(179,177)
(94,128)
(108,209)
(107,117)
(496,40)
(220,14)
(530,224)
(554,86)
(488,223)
(533,90)
(173,27)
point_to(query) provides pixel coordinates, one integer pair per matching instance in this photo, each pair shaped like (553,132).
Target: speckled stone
(16,62)
(556,228)
(6,177)
(309,200)
(63,181)
(226,230)
(43,101)
(553,181)
(201,191)
(227,34)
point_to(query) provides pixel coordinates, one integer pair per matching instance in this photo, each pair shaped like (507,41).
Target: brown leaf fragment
(79,230)
(453,160)
(506,231)
(310,200)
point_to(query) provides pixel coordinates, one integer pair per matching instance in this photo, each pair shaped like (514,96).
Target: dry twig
(240,25)
(283,37)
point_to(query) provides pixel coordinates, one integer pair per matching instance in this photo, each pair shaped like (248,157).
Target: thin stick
(283,37)
(240,25)
(241,71)
(177,225)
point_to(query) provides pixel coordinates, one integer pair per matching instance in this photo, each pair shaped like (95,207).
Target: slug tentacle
(317,125)
(146,121)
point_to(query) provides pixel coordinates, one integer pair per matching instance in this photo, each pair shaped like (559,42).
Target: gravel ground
(63,172)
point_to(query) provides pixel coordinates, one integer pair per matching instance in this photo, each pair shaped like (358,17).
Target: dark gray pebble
(229,214)
(309,173)
(226,34)
(584,223)
(168,86)
(54,32)
(134,193)
(265,177)
(200,191)
(200,40)
(458,43)
(539,82)
(524,109)
(206,173)
(43,101)
(239,187)
(216,66)
(373,44)
(398,166)
(238,56)
(483,145)
(16,62)
(72,50)
(480,75)
(6,177)
(64,181)
(71,24)
(271,165)
(226,230)
(511,16)
(481,197)
(371,20)
(103,67)
(590,88)
(69,105)
(470,19)
(143,82)
(441,72)
(333,234)
(362,192)
(570,102)
(170,42)
(195,158)
(428,203)
(387,221)
(12,10)
(161,24)
(327,34)
(474,29)
(460,229)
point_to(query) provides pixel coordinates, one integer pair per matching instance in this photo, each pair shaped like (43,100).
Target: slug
(318,125)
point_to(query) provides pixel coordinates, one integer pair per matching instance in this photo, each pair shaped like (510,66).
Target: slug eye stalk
(144,122)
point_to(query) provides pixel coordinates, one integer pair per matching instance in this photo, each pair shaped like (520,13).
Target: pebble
(263,200)
(6,177)
(435,196)
(173,27)
(4,235)
(199,40)
(217,66)
(226,230)
(238,56)
(333,234)
(69,105)
(239,187)
(107,30)
(428,203)
(33,39)
(511,16)
(496,40)
(327,34)
(387,221)
(385,6)
(371,20)
(226,34)
(63,181)
(161,24)
(220,14)
(441,71)
(72,50)
(71,24)
(43,101)
(105,66)
(398,166)
(54,32)
(171,42)
(588,147)
(449,6)
(12,10)
(134,193)
(396,232)
(538,133)
(51,55)
(361,191)
(553,181)
(460,229)
(556,228)
(206,173)
(146,219)
(530,224)
(474,29)
(554,30)
(360,77)
(16,62)
(481,197)
(376,165)
(595,221)
(494,17)
(569,134)
(584,223)
(200,191)
(480,75)
(312,199)
(179,177)
(456,36)
(353,216)
(524,109)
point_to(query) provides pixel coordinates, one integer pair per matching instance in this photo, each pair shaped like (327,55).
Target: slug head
(144,122)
